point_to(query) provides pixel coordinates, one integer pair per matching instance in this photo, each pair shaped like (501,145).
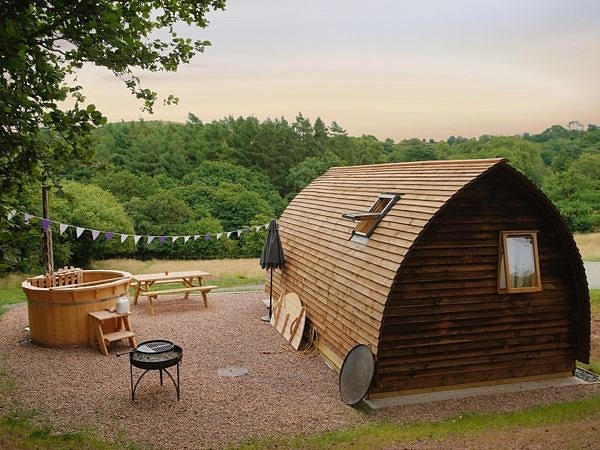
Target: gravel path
(282,394)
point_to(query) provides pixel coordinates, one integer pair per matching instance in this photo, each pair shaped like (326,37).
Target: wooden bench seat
(153,295)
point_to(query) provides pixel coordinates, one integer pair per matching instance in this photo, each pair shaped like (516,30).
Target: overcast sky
(389,68)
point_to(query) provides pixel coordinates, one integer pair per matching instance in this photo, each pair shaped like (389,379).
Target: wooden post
(47,253)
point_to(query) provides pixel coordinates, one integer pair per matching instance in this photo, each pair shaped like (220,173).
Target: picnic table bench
(153,295)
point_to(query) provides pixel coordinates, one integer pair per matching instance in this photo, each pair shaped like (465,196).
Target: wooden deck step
(118,335)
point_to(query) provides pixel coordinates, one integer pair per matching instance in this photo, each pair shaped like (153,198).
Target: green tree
(214,173)
(309,169)
(161,214)
(95,209)
(20,247)
(366,150)
(522,154)
(124,185)
(44,43)
(576,192)
(236,207)
(413,150)
(251,243)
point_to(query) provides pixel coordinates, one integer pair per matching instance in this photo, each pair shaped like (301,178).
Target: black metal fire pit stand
(160,371)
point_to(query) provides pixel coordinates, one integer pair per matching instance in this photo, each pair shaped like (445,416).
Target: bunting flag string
(47,224)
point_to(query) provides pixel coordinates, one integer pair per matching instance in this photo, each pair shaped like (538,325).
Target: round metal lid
(356,374)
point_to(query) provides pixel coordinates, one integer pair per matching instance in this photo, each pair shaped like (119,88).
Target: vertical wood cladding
(444,322)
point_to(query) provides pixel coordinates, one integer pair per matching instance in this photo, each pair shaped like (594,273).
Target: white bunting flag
(123,238)
(185,239)
(174,238)
(11,214)
(196,237)
(62,227)
(95,234)
(79,230)
(219,236)
(150,238)
(239,232)
(27,217)
(229,233)
(136,238)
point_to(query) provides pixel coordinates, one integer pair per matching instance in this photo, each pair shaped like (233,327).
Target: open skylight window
(367,221)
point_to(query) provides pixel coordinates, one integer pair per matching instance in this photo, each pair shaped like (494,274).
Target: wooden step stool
(105,327)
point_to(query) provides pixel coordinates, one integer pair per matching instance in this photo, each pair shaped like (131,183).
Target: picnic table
(190,280)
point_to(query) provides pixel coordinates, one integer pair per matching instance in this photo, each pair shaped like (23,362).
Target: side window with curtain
(518,262)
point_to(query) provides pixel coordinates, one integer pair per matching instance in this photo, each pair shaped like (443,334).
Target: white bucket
(122,305)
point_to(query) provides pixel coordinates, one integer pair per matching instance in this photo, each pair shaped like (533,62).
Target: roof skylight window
(367,221)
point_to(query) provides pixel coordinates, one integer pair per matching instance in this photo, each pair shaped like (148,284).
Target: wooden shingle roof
(345,284)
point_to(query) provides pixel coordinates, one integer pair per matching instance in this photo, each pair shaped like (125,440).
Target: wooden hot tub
(58,306)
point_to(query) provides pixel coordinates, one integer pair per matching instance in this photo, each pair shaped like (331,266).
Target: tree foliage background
(160,178)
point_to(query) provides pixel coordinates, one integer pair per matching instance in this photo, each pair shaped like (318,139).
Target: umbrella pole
(268,318)
(271,294)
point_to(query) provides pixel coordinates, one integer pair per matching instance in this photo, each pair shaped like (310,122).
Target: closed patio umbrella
(272,258)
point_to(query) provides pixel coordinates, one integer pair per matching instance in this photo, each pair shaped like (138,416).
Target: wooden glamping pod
(411,259)
(58,305)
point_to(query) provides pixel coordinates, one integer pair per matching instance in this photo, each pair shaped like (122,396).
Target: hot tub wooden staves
(454,273)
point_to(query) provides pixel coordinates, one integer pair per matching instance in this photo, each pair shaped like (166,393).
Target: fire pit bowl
(155,355)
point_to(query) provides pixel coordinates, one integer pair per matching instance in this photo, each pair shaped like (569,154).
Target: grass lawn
(383,434)
(588,245)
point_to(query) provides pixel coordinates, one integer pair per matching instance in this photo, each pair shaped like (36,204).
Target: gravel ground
(283,393)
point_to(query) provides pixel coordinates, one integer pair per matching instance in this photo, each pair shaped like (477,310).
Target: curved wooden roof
(345,284)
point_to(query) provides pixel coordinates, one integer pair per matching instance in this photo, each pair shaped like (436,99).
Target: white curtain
(521,261)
